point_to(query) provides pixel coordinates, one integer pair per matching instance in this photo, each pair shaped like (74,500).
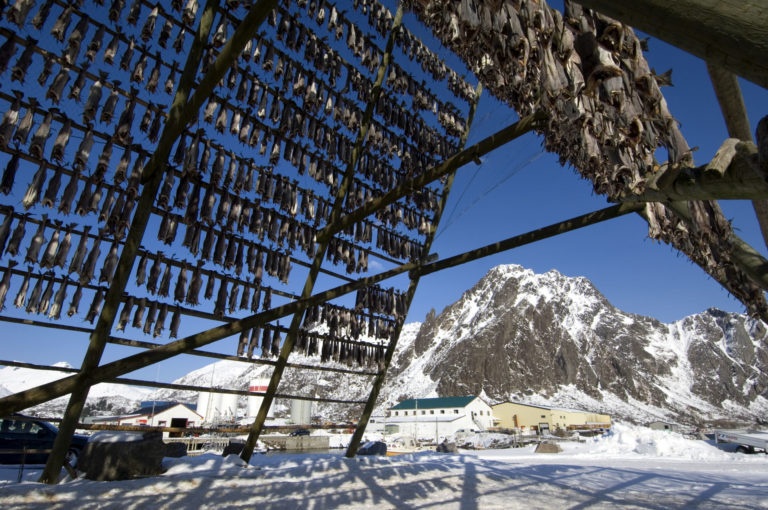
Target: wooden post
(98,338)
(322,245)
(378,382)
(728,33)
(731,101)
(103,373)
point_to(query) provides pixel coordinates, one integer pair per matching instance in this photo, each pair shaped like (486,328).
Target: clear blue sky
(516,189)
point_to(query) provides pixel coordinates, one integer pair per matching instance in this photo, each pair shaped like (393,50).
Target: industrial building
(155,414)
(538,418)
(437,418)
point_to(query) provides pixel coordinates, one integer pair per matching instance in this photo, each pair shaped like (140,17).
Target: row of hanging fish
(153,322)
(606,112)
(384,301)
(343,322)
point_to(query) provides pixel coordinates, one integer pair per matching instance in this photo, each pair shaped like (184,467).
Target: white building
(438,418)
(163,415)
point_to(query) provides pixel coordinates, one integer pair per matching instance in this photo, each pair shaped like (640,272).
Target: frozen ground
(631,468)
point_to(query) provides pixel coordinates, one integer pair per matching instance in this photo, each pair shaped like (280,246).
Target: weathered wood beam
(732,34)
(733,174)
(378,382)
(33,396)
(731,101)
(322,244)
(451,164)
(98,338)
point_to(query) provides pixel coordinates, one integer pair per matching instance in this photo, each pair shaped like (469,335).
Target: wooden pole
(322,244)
(732,34)
(378,382)
(731,101)
(98,338)
(33,396)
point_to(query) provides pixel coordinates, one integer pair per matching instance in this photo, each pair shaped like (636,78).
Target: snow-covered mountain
(541,338)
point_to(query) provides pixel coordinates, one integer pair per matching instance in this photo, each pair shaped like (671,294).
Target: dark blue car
(21,438)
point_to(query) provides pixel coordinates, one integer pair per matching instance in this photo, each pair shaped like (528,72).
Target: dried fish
(221,299)
(138,315)
(160,323)
(89,267)
(25,126)
(95,45)
(190,12)
(125,123)
(154,273)
(165,34)
(84,149)
(37,146)
(154,128)
(5,228)
(154,75)
(80,251)
(60,259)
(111,50)
(137,75)
(233,295)
(33,303)
(45,73)
(42,15)
(95,307)
(19,70)
(125,314)
(33,251)
(62,23)
(69,193)
(110,263)
(62,139)
(109,107)
(74,305)
(151,311)
(193,292)
(21,296)
(149,24)
(45,299)
(178,43)
(5,283)
(208,294)
(75,40)
(175,322)
(9,175)
(49,255)
(170,82)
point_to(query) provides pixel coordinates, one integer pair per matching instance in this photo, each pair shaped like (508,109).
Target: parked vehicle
(26,440)
(299,432)
(749,441)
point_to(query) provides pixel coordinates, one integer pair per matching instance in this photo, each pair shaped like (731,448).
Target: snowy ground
(631,468)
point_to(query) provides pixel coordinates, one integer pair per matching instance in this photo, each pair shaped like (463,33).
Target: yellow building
(529,417)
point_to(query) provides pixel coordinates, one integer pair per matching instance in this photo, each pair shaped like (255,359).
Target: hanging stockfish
(60,259)
(25,126)
(220,249)
(266,342)
(275,348)
(193,292)
(242,342)
(109,201)
(229,258)
(95,307)
(134,180)
(178,43)
(193,205)
(19,70)
(151,312)
(221,299)
(165,282)
(108,112)
(165,34)
(45,299)
(233,295)
(209,286)
(175,322)
(170,82)
(220,36)
(160,322)
(9,175)
(45,73)
(105,157)
(154,128)
(37,241)
(33,303)
(125,61)
(253,342)
(40,137)
(21,296)
(111,50)
(95,44)
(221,119)
(245,300)
(57,85)
(121,170)
(84,202)
(94,97)
(138,315)
(84,149)
(154,273)
(146,118)
(149,24)
(62,139)
(141,270)
(137,75)
(110,263)
(69,193)
(80,252)
(133,12)
(124,125)
(49,255)
(5,284)
(75,303)
(192,238)
(267,302)
(5,228)
(89,266)
(189,13)
(75,40)
(125,314)
(205,252)
(179,291)
(62,23)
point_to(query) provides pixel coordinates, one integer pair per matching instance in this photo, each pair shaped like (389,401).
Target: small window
(423,413)
(442,411)
(405,413)
(431,412)
(373,421)
(397,413)
(161,423)
(543,415)
(455,411)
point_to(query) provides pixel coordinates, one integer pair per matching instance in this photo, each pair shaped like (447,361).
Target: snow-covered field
(631,468)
